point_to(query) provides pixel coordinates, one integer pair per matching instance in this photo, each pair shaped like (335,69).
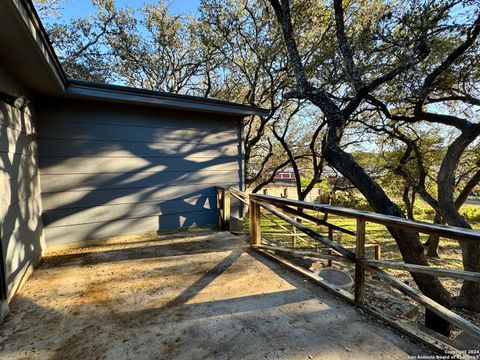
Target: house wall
(21,231)
(115,169)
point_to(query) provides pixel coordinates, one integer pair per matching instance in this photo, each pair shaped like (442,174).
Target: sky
(83,8)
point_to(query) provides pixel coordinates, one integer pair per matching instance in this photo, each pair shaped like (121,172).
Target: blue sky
(83,8)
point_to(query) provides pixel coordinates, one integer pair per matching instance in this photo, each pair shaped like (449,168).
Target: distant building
(288,175)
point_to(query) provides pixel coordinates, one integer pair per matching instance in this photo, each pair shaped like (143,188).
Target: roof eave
(114,93)
(45,57)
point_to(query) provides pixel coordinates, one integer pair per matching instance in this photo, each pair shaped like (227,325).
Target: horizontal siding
(14,119)
(22,250)
(66,217)
(108,171)
(15,190)
(115,133)
(69,182)
(95,165)
(122,115)
(20,213)
(99,197)
(72,148)
(82,232)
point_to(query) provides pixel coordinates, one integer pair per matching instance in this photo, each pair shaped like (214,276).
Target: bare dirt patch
(189,297)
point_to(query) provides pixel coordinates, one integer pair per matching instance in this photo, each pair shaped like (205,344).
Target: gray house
(82,161)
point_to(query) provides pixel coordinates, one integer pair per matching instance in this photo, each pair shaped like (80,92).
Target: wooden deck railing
(291,211)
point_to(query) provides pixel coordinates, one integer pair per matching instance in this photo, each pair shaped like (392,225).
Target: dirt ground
(193,296)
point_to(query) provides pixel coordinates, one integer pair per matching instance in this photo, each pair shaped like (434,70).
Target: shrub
(471,213)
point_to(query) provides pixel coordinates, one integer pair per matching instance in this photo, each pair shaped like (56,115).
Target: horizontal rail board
(450,232)
(312,276)
(406,328)
(430,304)
(304,253)
(313,234)
(241,199)
(289,234)
(313,219)
(238,192)
(421,269)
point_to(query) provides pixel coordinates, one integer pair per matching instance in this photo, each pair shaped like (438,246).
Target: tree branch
(467,189)
(344,45)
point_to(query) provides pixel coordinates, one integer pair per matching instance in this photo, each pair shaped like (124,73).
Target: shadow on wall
(125,170)
(171,218)
(20,204)
(193,202)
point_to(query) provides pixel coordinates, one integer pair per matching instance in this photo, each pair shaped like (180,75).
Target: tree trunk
(434,240)
(470,293)
(408,242)
(413,252)
(409,204)
(469,297)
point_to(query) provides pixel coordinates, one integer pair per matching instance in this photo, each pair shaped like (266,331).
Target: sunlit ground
(189,297)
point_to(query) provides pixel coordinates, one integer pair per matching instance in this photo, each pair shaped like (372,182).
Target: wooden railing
(293,212)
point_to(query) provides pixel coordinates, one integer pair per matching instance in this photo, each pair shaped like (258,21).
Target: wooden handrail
(313,219)
(450,232)
(238,192)
(282,208)
(359,272)
(313,234)
(422,269)
(240,198)
(430,304)
(304,253)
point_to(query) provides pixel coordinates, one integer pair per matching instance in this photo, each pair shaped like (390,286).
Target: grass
(449,250)
(378,293)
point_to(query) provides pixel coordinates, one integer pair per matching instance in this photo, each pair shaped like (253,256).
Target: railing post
(378,251)
(294,236)
(255,229)
(223,208)
(359,268)
(219,207)
(226,209)
(330,236)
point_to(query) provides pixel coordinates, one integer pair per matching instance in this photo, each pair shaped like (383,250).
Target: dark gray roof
(116,93)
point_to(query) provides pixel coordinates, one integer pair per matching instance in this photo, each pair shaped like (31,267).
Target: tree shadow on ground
(193,314)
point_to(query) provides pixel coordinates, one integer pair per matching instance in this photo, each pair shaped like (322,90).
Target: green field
(449,250)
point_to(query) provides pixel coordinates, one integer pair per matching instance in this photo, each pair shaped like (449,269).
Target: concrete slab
(191,297)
